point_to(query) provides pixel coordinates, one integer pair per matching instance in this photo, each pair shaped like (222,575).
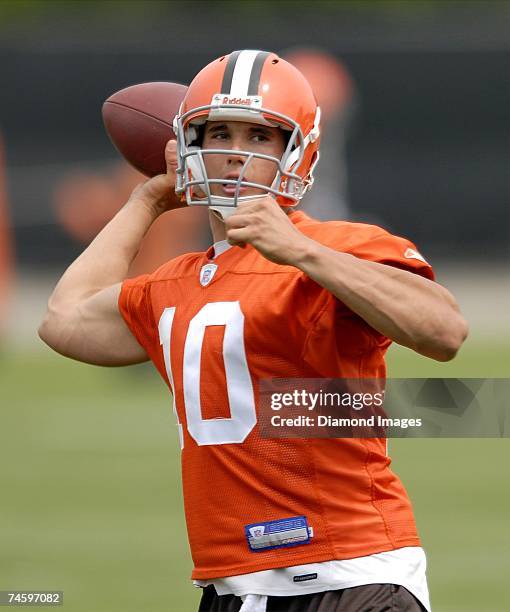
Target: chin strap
(217,213)
(223,212)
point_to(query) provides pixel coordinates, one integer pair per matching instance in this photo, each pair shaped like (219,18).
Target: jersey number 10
(243,416)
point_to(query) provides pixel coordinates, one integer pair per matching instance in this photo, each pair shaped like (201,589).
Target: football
(138,120)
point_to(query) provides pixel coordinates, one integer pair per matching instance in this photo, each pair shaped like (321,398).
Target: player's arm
(91,330)
(83,320)
(411,310)
(401,305)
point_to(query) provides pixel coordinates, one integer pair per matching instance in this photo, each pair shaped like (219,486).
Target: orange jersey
(213,342)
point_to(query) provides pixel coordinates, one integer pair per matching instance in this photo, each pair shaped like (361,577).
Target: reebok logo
(412,254)
(304,577)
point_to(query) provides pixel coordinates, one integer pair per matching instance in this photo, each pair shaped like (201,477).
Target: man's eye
(260,138)
(220,135)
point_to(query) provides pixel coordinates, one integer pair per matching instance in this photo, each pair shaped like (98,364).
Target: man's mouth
(230,189)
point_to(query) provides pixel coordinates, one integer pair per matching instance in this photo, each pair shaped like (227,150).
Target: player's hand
(159,191)
(264,225)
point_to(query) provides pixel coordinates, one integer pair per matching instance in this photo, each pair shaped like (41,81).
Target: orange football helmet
(255,87)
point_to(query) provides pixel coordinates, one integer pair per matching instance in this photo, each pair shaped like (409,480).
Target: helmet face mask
(193,181)
(293,171)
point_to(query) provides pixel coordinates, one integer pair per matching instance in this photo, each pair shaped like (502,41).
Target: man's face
(240,136)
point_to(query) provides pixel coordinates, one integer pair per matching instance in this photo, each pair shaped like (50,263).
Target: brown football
(138,120)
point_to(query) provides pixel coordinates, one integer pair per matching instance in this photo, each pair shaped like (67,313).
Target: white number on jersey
(241,399)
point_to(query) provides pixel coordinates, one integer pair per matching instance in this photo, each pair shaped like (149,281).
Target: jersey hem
(226,572)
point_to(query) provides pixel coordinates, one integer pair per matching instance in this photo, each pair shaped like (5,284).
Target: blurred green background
(92,502)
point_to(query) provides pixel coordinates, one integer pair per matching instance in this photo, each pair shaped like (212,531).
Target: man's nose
(234,155)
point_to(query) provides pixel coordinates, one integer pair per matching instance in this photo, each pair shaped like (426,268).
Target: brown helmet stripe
(253,86)
(226,84)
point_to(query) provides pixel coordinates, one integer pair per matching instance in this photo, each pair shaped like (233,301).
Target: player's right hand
(159,191)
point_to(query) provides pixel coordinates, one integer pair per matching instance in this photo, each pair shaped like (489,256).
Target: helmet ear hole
(195,135)
(198,135)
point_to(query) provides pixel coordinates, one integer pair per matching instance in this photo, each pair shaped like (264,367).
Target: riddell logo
(221,99)
(240,101)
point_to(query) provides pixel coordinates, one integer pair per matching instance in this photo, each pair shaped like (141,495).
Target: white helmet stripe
(242,73)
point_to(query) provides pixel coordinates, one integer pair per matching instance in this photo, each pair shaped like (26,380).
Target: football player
(278,295)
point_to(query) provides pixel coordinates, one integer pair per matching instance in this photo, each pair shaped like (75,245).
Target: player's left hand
(264,225)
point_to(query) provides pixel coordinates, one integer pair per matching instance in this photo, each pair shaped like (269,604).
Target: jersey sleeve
(382,247)
(135,308)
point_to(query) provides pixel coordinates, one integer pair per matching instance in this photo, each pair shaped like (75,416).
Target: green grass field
(91,500)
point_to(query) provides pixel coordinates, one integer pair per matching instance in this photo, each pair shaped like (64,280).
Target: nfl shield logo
(207,273)
(257,531)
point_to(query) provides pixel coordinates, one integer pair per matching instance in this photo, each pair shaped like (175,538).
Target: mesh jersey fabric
(289,327)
